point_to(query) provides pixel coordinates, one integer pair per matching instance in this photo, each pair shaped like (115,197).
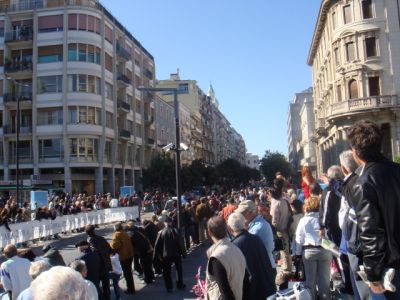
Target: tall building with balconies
(74,71)
(356,73)
(294,130)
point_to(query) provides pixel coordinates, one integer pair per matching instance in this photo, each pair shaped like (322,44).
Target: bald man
(14,272)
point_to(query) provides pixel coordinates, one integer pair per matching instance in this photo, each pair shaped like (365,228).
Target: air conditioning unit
(35,177)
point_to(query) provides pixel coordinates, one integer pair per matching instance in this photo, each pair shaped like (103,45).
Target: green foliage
(273,162)
(161,173)
(397,159)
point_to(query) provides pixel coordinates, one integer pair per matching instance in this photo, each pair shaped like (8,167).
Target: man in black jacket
(169,249)
(377,195)
(100,244)
(143,250)
(92,261)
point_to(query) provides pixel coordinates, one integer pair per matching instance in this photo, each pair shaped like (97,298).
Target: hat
(246,205)
(81,243)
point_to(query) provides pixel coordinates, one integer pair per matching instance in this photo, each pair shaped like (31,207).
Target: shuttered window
(108,63)
(91,23)
(48,54)
(108,34)
(82,22)
(72,22)
(51,23)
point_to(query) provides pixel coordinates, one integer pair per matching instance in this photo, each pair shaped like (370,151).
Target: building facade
(74,71)
(356,73)
(294,128)
(253,161)
(306,147)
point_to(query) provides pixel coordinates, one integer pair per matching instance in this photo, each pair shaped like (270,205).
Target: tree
(160,174)
(273,162)
(232,174)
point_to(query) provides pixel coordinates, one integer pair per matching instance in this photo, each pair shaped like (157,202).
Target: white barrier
(26,231)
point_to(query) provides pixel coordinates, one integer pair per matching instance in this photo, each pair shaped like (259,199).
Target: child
(115,274)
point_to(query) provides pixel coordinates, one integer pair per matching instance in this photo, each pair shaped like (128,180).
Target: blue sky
(253,51)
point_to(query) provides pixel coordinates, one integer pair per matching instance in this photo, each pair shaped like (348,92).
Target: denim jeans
(317,266)
(115,280)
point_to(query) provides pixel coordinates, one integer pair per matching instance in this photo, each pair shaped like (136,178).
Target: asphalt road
(195,258)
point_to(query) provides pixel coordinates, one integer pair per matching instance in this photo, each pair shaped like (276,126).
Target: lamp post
(177,149)
(17,130)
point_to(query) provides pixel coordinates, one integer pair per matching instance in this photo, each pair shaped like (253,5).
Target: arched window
(353,89)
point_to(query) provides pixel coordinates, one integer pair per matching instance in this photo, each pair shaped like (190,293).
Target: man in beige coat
(226,267)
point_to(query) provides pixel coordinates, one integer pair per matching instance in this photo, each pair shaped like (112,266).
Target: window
(367,9)
(51,23)
(85,115)
(84,83)
(334,20)
(109,62)
(370,47)
(84,23)
(51,149)
(50,84)
(350,55)
(183,88)
(337,56)
(83,148)
(353,89)
(1,28)
(72,52)
(374,86)
(109,120)
(51,116)
(50,54)
(347,14)
(72,22)
(109,91)
(339,93)
(82,52)
(108,34)
(108,151)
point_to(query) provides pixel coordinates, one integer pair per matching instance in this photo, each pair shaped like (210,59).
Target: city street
(156,290)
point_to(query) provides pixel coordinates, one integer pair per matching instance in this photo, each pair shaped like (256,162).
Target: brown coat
(122,244)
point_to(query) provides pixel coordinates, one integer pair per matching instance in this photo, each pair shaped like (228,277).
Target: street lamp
(177,149)
(17,136)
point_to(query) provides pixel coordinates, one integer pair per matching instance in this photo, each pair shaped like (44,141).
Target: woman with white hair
(262,277)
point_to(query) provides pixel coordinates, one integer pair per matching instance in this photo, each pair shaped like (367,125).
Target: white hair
(334,172)
(59,283)
(347,161)
(38,267)
(236,222)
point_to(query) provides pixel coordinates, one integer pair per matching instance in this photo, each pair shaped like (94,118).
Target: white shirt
(114,203)
(14,275)
(307,232)
(91,291)
(116,265)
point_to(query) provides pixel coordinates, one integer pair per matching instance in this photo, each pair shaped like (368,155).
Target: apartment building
(306,147)
(72,70)
(294,129)
(356,73)
(253,161)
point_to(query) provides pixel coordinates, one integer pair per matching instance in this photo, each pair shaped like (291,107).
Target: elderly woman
(316,259)
(262,282)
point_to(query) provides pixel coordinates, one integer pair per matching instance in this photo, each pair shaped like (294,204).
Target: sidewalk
(194,259)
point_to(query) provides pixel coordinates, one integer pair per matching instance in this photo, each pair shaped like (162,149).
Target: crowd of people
(341,237)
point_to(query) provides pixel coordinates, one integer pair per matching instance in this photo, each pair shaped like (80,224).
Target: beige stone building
(355,63)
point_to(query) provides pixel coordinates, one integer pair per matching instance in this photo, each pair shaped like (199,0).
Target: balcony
(123,53)
(10,130)
(361,105)
(35,4)
(123,79)
(124,134)
(11,98)
(20,66)
(24,34)
(123,106)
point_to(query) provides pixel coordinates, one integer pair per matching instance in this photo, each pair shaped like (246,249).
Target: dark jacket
(54,258)
(168,243)
(100,244)
(92,261)
(141,244)
(329,211)
(151,231)
(262,279)
(377,194)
